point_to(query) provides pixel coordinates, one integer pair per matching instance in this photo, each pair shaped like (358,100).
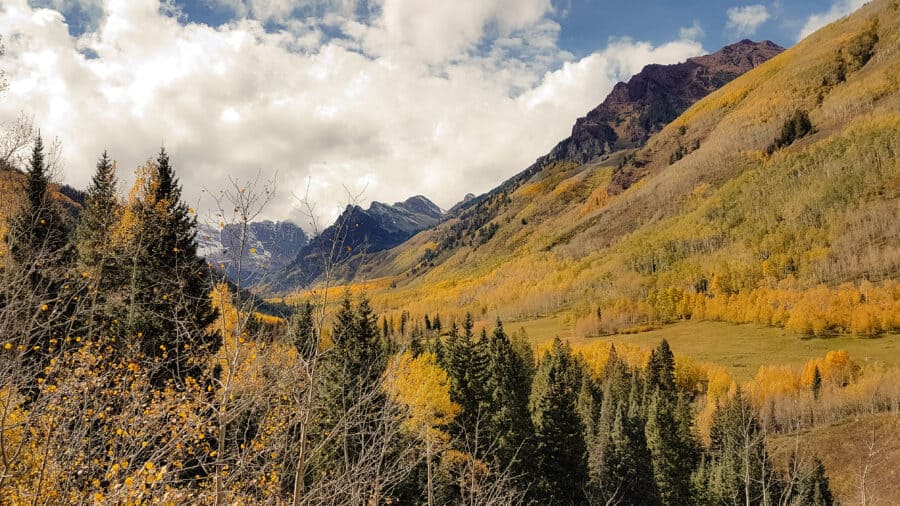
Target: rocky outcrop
(652,98)
(358,231)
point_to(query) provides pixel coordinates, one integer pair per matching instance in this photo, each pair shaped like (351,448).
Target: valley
(693,297)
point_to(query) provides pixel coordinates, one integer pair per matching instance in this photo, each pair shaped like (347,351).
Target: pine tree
(816,383)
(814,487)
(352,383)
(436,324)
(38,243)
(166,284)
(590,397)
(38,236)
(660,372)
(509,386)
(303,331)
(93,244)
(560,466)
(672,445)
(93,235)
(627,472)
(673,458)
(467,361)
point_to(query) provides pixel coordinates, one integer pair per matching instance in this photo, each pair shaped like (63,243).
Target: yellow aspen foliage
(423,387)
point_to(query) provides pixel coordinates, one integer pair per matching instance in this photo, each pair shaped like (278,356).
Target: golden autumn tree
(421,385)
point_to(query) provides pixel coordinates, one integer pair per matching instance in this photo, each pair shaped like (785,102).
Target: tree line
(132,371)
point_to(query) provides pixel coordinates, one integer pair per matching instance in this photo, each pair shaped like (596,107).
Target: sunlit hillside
(11,185)
(730,213)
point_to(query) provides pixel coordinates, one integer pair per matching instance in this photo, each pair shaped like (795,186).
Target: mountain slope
(654,97)
(359,231)
(269,248)
(706,219)
(12,196)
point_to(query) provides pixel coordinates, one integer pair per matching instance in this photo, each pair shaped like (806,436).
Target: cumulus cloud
(838,10)
(745,20)
(693,32)
(381,108)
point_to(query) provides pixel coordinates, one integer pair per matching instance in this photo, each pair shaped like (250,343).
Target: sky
(340,100)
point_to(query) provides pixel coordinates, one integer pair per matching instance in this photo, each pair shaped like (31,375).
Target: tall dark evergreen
(816,383)
(660,371)
(94,244)
(352,383)
(627,473)
(814,487)
(560,466)
(166,284)
(38,236)
(672,458)
(47,302)
(670,439)
(94,231)
(509,387)
(303,331)
(467,362)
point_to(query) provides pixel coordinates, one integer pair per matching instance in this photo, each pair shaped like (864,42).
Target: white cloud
(693,32)
(838,10)
(745,20)
(385,109)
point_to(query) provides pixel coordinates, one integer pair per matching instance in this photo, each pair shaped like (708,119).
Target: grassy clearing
(740,348)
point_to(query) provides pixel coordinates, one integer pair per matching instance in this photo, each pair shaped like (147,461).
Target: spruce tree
(93,244)
(627,473)
(559,462)
(467,361)
(166,284)
(672,458)
(38,236)
(352,383)
(660,371)
(38,243)
(590,398)
(816,383)
(303,331)
(814,487)
(509,386)
(94,232)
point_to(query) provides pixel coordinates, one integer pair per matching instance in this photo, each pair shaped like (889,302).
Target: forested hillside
(134,370)
(772,200)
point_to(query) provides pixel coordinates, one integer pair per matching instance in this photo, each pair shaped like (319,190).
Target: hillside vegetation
(736,211)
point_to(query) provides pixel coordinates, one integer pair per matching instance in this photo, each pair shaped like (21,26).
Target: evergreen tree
(352,383)
(627,472)
(509,387)
(467,362)
(660,372)
(93,235)
(436,324)
(673,458)
(94,239)
(816,383)
(814,487)
(38,242)
(589,408)
(559,462)
(166,284)
(38,236)
(303,331)
(741,471)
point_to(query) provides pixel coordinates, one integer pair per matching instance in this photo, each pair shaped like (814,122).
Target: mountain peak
(653,97)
